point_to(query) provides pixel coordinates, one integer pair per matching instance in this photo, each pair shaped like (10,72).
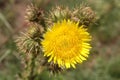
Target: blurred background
(103,62)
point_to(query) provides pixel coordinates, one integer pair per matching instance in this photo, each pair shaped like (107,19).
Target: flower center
(64,43)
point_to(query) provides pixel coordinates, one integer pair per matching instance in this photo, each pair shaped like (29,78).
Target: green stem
(32,67)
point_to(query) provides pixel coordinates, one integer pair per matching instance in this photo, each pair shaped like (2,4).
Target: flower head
(66,44)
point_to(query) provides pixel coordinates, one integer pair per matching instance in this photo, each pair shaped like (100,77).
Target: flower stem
(32,65)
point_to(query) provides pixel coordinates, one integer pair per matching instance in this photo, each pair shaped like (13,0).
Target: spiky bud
(35,15)
(54,68)
(89,15)
(84,15)
(29,42)
(57,14)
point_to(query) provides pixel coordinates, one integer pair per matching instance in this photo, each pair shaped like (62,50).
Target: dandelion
(66,44)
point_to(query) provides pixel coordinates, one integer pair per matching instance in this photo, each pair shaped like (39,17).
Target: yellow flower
(66,44)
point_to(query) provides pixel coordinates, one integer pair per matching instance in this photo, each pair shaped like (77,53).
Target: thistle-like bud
(54,68)
(29,42)
(57,14)
(35,15)
(84,15)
